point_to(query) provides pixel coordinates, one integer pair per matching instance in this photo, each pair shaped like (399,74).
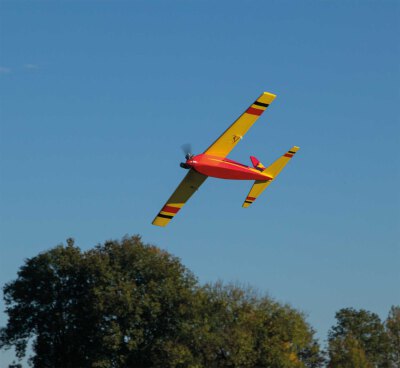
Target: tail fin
(272,171)
(257,164)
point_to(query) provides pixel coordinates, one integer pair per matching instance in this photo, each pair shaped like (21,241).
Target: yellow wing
(228,140)
(190,183)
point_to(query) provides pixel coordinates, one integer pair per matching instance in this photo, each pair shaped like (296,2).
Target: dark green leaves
(129,304)
(360,339)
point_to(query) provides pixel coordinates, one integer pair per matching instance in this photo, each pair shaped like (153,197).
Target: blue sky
(96,99)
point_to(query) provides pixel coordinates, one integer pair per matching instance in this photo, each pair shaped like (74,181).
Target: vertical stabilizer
(256,163)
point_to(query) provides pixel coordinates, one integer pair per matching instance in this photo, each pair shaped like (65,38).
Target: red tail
(254,161)
(257,164)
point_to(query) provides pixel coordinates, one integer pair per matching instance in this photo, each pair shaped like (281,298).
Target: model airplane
(213,162)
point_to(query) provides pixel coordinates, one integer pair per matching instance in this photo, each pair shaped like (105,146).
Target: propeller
(187,150)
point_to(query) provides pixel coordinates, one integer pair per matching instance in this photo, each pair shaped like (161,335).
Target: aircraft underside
(223,168)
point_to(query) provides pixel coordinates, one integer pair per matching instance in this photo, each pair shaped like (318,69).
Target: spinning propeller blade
(187,149)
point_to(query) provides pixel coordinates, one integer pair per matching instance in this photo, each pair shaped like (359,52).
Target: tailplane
(274,170)
(271,171)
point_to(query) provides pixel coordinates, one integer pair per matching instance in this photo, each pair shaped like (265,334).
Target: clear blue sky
(98,97)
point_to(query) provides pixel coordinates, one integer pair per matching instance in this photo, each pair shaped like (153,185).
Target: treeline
(129,304)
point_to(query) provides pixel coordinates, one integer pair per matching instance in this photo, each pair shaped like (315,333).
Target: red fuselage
(224,168)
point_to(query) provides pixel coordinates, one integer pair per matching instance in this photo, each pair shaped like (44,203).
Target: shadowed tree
(129,304)
(358,340)
(236,327)
(347,353)
(120,302)
(392,325)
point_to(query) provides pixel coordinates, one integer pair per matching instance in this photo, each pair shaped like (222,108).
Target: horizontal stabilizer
(274,170)
(258,187)
(271,171)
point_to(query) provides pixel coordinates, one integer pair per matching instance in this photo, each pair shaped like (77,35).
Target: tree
(119,303)
(357,340)
(347,353)
(129,304)
(239,328)
(392,325)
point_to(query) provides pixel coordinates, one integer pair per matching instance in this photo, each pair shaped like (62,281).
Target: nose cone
(188,164)
(184,165)
(191,161)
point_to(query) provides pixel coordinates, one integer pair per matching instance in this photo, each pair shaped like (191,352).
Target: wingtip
(269,93)
(159,222)
(267,97)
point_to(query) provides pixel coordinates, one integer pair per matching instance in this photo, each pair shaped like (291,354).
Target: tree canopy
(125,303)
(129,304)
(360,339)
(393,330)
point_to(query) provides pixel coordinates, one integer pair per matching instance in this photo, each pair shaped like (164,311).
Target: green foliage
(358,340)
(98,308)
(347,353)
(128,304)
(241,329)
(393,331)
